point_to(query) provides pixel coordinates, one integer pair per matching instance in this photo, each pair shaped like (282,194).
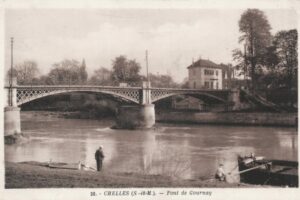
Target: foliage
(82,72)
(67,72)
(162,81)
(256,38)
(281,61)
(126,71)
(101,76)
(287,52)
(26,72)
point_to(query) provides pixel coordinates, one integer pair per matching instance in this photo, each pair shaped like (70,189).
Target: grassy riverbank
(38,175)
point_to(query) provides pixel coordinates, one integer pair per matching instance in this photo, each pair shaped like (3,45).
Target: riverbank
(230,118)
(225,118)
(38,175)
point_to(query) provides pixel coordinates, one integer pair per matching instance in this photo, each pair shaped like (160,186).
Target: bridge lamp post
(12,122)
(147,68)
(11,71)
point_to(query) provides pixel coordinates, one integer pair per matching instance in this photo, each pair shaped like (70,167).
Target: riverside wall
(255,119)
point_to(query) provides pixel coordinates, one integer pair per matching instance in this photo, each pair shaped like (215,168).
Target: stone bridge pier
(137,116)
(12,120)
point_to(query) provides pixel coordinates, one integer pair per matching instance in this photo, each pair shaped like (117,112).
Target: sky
(173,37)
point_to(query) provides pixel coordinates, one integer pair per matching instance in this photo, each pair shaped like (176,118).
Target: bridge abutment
(136,116)
(234,98)
(12,120)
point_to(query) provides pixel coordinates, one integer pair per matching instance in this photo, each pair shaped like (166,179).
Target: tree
(25,72)
(82,73)
(101,76)
(256,38)
(126,71)
(67,72)
(162,81)
(287,52)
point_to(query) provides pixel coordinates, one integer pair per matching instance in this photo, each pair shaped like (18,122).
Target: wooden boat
(72,166)
(258,170)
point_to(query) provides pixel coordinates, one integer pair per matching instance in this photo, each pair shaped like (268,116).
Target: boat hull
(270,172)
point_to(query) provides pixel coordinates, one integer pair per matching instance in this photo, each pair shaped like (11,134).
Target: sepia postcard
(163,99)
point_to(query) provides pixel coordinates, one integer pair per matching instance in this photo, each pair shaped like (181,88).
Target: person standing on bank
(99,156)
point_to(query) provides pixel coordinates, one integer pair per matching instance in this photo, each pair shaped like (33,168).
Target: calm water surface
(185,151)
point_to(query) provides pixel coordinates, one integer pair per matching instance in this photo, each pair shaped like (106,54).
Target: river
(184,151)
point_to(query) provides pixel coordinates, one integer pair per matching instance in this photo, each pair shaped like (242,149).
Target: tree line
(73,72)
(267,61)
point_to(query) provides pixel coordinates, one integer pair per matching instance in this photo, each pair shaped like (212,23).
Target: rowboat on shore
(258,170)
(71,166)
(74,166)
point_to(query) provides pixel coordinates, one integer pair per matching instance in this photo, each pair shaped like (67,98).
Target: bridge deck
(110,87)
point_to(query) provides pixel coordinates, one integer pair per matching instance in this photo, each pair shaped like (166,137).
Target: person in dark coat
(99,156)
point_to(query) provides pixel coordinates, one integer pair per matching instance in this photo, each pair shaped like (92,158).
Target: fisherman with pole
(99,156)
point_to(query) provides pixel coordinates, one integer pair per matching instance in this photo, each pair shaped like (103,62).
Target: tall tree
(125,70)
(83,73)
(119,69)
(256,38)
(26,72)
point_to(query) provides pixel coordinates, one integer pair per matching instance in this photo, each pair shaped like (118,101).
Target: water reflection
(180,151)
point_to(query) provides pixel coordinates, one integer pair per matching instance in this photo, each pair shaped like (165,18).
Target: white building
(205,74)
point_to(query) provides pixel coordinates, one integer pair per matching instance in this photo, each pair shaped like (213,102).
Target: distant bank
(230,118)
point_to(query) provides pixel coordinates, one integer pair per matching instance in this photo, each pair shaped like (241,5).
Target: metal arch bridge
(138,95)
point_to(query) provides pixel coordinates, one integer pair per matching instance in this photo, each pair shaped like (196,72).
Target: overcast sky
(173,37)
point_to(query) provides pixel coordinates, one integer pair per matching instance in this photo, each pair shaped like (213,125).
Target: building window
(217,85)
(208,72)
(212,85)
(206,84)
(217,72)
(194,85)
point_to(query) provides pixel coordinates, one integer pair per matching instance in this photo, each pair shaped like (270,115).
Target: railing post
(140,116)
(146,93)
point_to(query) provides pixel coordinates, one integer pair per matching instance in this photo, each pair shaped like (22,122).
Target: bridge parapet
(28,93)
(217,95)
(139,95)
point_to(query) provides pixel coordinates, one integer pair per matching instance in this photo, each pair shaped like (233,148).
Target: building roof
(204,63)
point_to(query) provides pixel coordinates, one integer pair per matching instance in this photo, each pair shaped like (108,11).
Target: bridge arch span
(201,95)
(24,95)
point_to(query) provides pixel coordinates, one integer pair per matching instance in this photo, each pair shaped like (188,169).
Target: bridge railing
(113,87)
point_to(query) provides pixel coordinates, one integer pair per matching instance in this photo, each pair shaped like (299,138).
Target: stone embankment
(230,118)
